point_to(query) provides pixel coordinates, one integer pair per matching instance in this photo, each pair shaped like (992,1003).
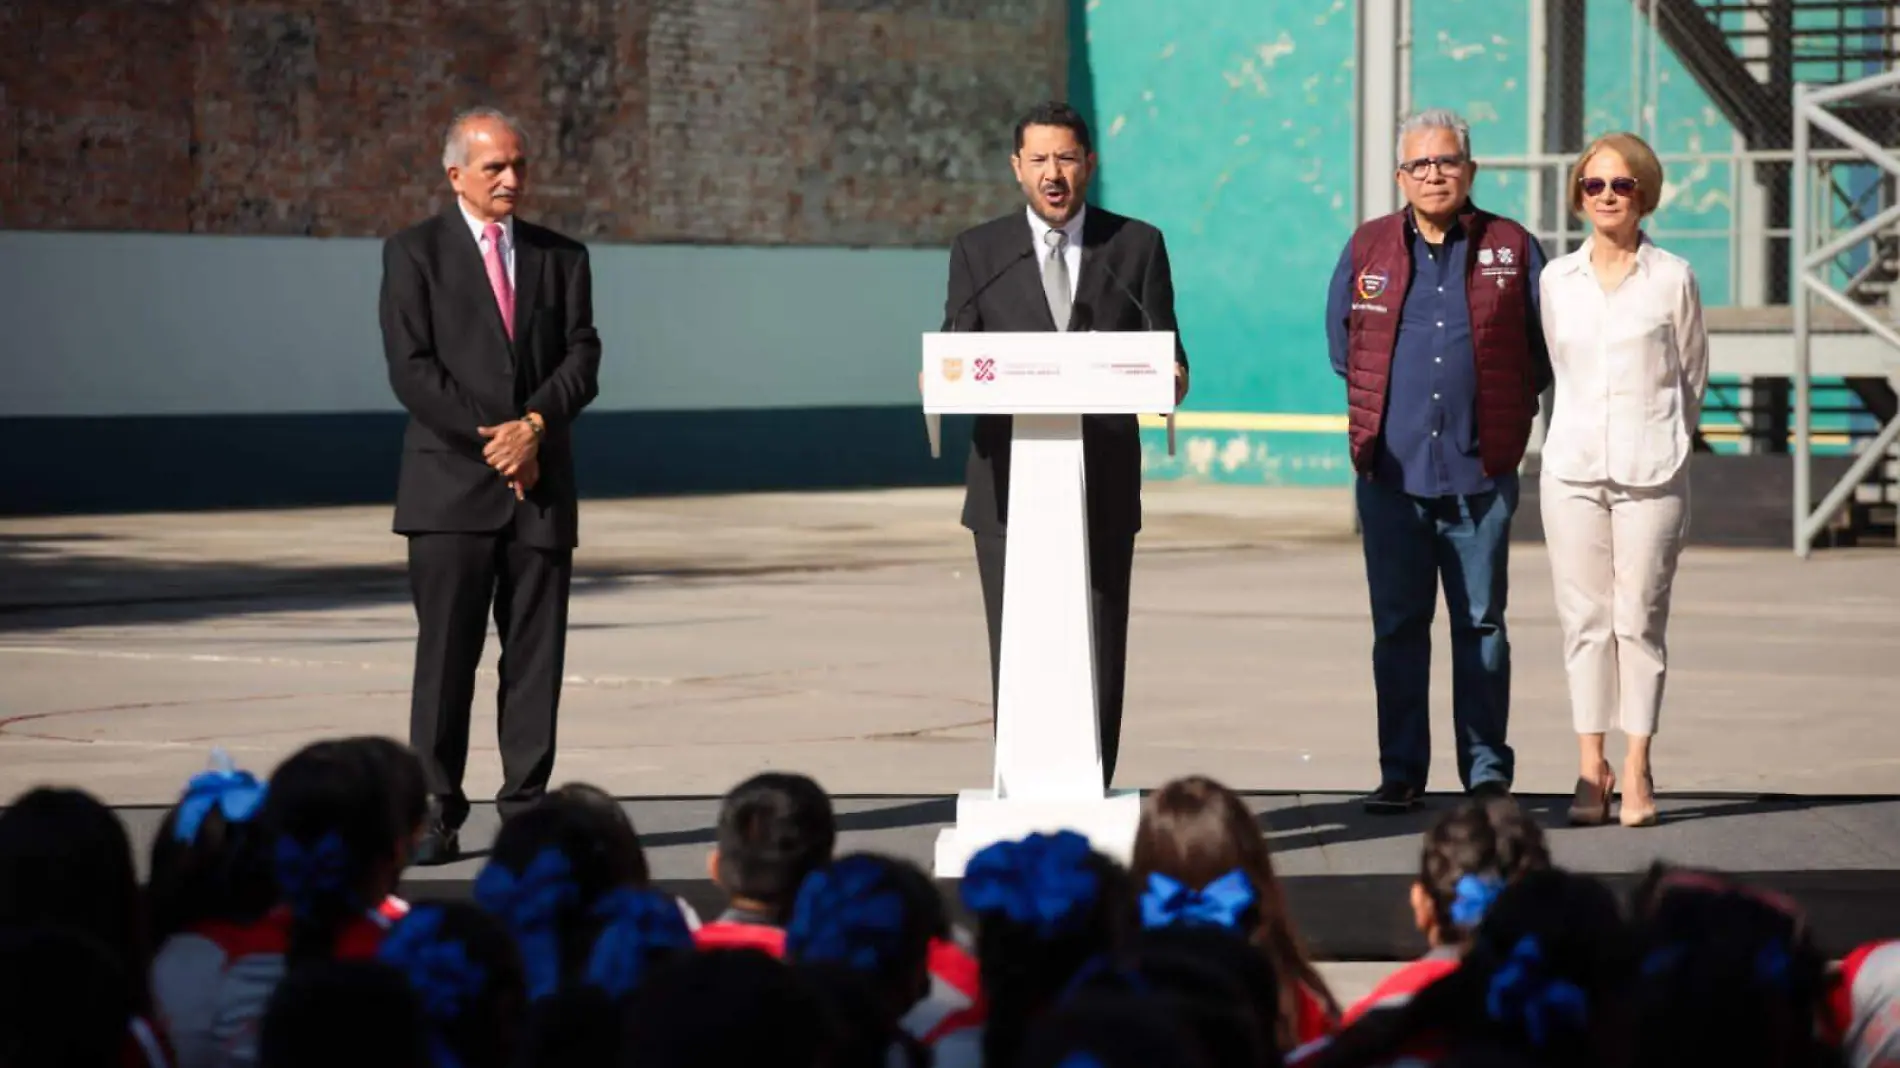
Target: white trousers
(1613,552)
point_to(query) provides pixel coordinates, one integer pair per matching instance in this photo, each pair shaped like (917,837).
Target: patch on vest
(1498,263)
(1370,286)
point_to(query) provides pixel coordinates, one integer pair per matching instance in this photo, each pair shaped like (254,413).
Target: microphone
(1147,323)
(950,321)
(933,425)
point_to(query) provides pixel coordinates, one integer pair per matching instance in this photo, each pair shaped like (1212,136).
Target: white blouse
(1630,365)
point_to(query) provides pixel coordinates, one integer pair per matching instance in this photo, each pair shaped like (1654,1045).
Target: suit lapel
(1088,287)
(465,257)
(527,277)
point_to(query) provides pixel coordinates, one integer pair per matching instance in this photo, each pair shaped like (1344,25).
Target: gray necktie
(1055,278)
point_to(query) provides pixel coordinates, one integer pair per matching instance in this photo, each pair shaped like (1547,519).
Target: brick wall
(861,122)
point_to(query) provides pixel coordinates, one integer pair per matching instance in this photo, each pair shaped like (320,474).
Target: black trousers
(455,579)
(1111,566)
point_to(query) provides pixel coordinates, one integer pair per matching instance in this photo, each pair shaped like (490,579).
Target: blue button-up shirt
(1428,446)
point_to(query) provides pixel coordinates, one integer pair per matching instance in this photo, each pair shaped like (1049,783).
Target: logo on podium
(985,369)
(952,369)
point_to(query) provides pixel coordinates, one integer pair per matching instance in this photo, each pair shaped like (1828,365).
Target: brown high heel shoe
(1590,807)
(1641,814)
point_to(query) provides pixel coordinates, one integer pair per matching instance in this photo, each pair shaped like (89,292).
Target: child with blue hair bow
(862,927)
(1468,857)
(566,881)
(1542,982)
(331,836)
(1201,859)
(1045,906)
(466,973)
(209,880)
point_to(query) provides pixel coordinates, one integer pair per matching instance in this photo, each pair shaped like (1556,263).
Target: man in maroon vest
(1433,322)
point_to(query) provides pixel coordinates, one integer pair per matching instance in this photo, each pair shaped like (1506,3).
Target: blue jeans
(1409,543)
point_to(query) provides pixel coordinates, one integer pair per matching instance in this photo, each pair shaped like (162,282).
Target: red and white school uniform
(187,976)
(1397,989)
(1313,1022)
(254,964)
(948,1019)
(1864,1006)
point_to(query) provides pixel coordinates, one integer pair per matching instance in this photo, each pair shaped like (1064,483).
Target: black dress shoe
(439,845)
(1393,798)
(1489,789)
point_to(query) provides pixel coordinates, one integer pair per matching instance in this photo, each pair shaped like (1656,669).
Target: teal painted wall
(1228,123)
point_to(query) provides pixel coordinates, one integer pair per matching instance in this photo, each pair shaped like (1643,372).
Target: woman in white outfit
(1623,320)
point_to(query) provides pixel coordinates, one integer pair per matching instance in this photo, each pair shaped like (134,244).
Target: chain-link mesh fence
(1708,83)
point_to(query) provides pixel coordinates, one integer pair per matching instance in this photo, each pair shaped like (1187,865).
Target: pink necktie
(498,278)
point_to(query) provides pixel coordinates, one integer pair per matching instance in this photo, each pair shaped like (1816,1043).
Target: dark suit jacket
(454,368)
(1119,255)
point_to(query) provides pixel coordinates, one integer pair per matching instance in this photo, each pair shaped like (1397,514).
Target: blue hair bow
(1222,903)
(1474,897)
(235,793)
(1663,959)
(1042,882)
(639,922)
(529,904)
(438,968)
(848,914)
(1772,964)
(1522,990)
(308,873)
(1100,971)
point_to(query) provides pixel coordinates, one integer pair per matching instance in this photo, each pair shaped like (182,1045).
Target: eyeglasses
(1419,168)
(1622,187)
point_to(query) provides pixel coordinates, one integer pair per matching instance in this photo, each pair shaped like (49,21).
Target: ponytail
(331,837)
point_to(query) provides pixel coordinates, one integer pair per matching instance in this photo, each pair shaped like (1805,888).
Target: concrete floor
(842,635)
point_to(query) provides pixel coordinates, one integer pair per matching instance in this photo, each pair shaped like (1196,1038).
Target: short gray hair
(455,144)
(1433,119)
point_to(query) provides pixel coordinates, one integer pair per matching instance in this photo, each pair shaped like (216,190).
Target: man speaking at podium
(1062,265)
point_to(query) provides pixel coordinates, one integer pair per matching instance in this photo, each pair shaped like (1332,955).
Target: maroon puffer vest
(1497,282)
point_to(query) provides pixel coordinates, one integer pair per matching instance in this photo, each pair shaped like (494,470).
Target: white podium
(1048,752)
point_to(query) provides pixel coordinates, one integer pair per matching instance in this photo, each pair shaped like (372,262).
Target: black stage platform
(1347,873)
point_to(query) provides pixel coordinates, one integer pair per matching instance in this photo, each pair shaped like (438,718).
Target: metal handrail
(1810,113)
(1734,231)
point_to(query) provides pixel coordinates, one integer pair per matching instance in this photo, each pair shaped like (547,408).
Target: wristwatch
(534,424)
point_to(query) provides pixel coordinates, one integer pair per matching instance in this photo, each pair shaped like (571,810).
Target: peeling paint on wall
(1231,127)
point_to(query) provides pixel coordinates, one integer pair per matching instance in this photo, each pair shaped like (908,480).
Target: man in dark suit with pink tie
(488,328)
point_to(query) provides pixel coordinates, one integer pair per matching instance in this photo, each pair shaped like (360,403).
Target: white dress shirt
(1630,367)
(476,226)
(1071,251)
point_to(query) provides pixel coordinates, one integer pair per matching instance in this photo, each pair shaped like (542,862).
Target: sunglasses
(1622,187)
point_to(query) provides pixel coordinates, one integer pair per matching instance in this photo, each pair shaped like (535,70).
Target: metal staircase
(1748,56)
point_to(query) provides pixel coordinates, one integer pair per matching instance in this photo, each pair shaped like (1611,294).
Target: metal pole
(1636,71)
(1874,455)
(1378,84)
(1536,101)
(1798,290)
(1654,91)
(1404,48)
